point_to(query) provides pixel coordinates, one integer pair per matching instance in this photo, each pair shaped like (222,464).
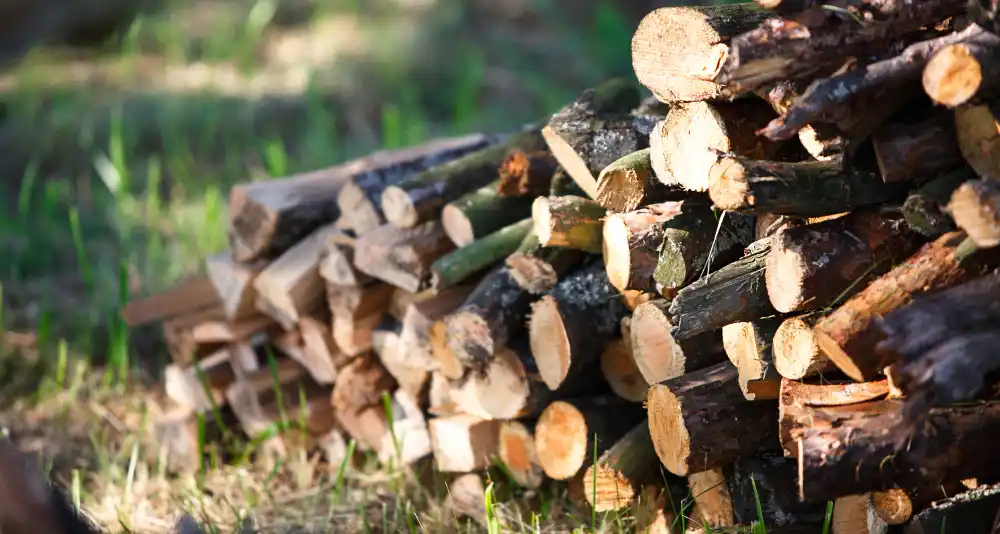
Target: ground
(117,164)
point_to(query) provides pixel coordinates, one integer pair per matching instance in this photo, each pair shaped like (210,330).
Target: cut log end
(893,506)
(975,207)
(613,490)
(952,76)
(542,217)
(796,352)
(856,514)
(656,353)
(517,451)
(499,393)
(447,363)
(571,162)
(666,425)
(621,372)
(785,277)
(549,341)
(561,440)
(399,207)
(728,185)
(457,226)
(617,254)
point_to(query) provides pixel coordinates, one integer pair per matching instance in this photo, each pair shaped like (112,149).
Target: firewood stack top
(771,285)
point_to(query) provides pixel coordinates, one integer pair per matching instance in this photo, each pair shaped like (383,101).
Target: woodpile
(771,286)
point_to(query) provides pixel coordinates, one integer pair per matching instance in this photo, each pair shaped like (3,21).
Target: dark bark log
(632,242)
(402,256)
(622,471)
(748,345)
(768,478)
(695,421)
(629,183)
(796,352)
(569,221)
(461,264)
(915,149)
(977,510)
(975,207)
(795,398)
(482,212)
(979,137)
(923,208)
(964,72)
(527,173)
(659,355)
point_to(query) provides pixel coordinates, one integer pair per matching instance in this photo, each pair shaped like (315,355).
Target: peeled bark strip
(402,256)
(570,327)
(359,198)
(810,266)
(622,471)
(481,213)
(748,345)
(233,282)
(916,148)
(676,51)
(979,137)
(657,352)
(848,336)
(961,72)
(780,49)
(629,183)
(731,294)
(461,264)
(517,452)
(463,443)
(695,134)
(867,447)
(696,240)
(924,207)
(975,207)
(619,367)
(569,221)
(631,244)
(527,174)
(804,189)
(565,432)
(795,398)
(420,198)
(796,352)
(696,420)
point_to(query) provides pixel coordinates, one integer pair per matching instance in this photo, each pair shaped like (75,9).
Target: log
(698,132)
(856,513)
(566,431)
(796,397)
(619,367)
(676,51)
(795,350)
(629,183)
(631,244)
(467,497)
(420,198)
(695,240)
(402,256)
(527,174)
(971,511)
(481,213)
(924,207)
(357,400)
(975,207)
(337,266)
(979,137)
(407,439)
(353,335)
(463,443)
(892,506)
(963,72)
(812,266)
(537,269)
(803,189)
(188,296)
(461,264)
(359,197)
(734,293)
(916,148)
(359,302)
(659,355)
(848,336)
(233,283)
(619,475)
(517,452)
(694,420)
(569,221)
(866,447)
(779,49)
(748,345)
(320,355)
(713,505)
(570,327)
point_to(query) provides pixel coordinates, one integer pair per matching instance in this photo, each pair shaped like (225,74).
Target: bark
(563,184)
(812,266)
(804,189)
(923,208)
(975,207)
(659,355)
(570,327)
(461,264)
(796,352)
(337,266)
(979,137)
(566,430)
(517,451)
(569,221)
(359,198)
(402,256)
(768,479)
(631,244)
(622,471)
(463,443)
(964,72)
(676,51)
(629,183)
(971,511)
(420,198)
(527,173)
(795,398)
(916,148)
(748,345)
(848,336)
(481,213)
(731,294)
(696,420)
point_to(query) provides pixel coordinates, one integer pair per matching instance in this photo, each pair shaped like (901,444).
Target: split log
(570,327)
(848,336)
(527,174)
(915,148)
(796,397)
(569,221)
(178,334)
(402,256)
(188,296)
(695,134)
(233,283)
(320,354)
(976,510)
(202,386)
(419,199)
(619,367)
(979,137)
(622,471)
(924,207)
(811,266)
(566,431)
(629,183)
(659,355)
(359,198)
(632,242)
(963,72)
(694,420)
(407,439)
(856,513)
(975,207)
(796,352)
(734,293)
(463,443)
(748,345)
(481,213)
(461,264)
(357,400)
(804,189)
(676,51)
(517,452)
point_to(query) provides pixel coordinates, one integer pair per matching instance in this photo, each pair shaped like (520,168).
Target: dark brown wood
(917,148)
(695,421)
(975,207)
(632,242)
(402,256)
(964,72)
(527,173)
(659,355)
(796,397)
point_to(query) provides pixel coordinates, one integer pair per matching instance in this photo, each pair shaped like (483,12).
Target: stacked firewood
(727,293)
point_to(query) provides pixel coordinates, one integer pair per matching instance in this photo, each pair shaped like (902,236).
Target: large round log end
(667,429)
(561,440)
(952,76)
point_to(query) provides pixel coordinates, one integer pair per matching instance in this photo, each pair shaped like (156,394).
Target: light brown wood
(749,347)
(353,335)
(658,355)
(402,256)
(517,451)
(463,443)
(233,283)
(975,207)
(320,354)
(713,504)
(979,137)
(856,514)
(189,295)
(796,352)
(619,368)
(407,439)
(185,386)
(631,244)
